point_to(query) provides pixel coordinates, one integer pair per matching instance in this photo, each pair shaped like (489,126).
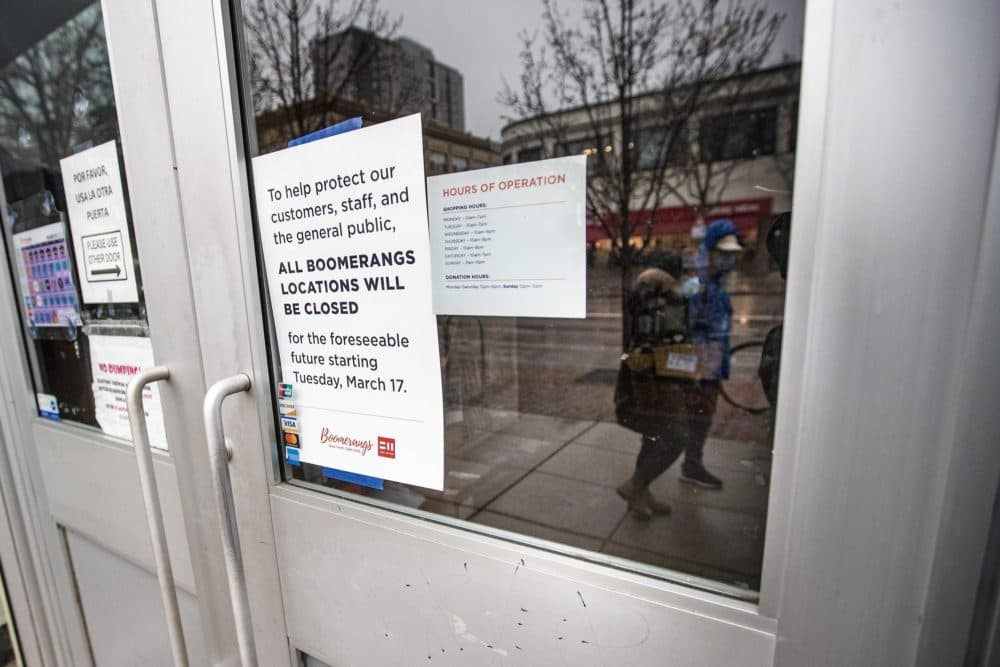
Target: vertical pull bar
(154,515)
(219,455)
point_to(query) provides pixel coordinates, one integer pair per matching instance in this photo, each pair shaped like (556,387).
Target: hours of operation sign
(343,225)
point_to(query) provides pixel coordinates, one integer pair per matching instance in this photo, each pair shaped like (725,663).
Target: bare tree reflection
(636,76)
(306,57)
(52,95)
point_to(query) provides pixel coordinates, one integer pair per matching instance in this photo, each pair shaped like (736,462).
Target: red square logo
(387,447)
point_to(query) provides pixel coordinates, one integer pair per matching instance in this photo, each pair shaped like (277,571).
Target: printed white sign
(113,362)
(95,201)
(511,240)
(344,232)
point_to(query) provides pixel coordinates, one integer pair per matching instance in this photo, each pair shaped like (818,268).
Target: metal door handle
(219,455)
(151,499)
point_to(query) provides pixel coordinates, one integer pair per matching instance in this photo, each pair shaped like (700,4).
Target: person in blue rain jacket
(710,311)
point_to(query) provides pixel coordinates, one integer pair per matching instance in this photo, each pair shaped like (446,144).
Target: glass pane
(663,458)
(67,226)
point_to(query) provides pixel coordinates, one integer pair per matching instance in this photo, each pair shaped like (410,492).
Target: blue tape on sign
(354,478)
(341,475)
(292,456)
(339,128)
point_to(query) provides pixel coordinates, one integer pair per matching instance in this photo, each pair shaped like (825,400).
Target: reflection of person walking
(686,422)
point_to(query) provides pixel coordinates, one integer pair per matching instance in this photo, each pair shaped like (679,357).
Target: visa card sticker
(289,424)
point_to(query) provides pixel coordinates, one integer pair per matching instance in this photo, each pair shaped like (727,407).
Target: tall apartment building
(394,75)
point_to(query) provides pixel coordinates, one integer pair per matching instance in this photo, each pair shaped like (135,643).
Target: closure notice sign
(343,225)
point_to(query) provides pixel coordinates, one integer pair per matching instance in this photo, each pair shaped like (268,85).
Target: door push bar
(151,499)
(219,454)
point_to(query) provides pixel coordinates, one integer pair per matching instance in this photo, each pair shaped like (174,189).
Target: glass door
(355,231)
(537,539)
(96,294)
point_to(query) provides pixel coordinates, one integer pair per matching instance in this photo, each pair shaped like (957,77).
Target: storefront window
(739,135)
(437,163)
(661,147)
(641,427)
(529,154)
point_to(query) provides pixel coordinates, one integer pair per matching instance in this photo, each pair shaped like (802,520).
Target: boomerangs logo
(343,442)
(386,447)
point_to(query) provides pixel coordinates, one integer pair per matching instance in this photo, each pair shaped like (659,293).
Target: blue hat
(717,231)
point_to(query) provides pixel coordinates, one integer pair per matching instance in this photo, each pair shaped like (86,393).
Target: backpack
(661,362)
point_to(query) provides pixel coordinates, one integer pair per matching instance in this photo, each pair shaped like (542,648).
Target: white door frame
(884,419)
(887,348)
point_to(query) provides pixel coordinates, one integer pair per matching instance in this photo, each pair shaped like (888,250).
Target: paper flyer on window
(113,362)
(511,240)
(344,233)
(46,277)
(95,202)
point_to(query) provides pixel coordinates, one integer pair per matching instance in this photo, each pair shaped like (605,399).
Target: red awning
(674,220)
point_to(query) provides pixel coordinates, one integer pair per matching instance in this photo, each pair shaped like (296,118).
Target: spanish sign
(113,362)
(343,225)
(95,202)
(511,240)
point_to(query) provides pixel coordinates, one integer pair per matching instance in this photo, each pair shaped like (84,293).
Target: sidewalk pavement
(555,478)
